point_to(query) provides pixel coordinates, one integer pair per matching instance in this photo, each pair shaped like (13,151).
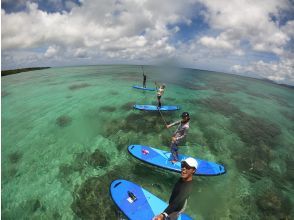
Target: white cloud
(217,42)
(51,51)
(288,28)
(241,20)
(81,53)
(94,26)
(137,30)
(282,71)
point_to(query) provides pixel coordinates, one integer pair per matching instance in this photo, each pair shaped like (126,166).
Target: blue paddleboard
(140,87)
(154,107)
(136,202)
(161,158)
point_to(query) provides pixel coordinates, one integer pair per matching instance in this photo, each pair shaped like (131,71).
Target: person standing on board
(144,80)
(179,134)
(181,191)
(160,91)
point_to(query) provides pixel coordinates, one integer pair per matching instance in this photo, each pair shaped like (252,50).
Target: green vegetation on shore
(15,71)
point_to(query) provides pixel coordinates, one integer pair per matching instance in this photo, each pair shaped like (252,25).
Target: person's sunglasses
(185,165)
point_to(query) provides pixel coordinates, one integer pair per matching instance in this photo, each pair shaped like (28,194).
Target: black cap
(185,114)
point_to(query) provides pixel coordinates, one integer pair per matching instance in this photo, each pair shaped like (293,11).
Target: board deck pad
(143,206)
(140,87)
(161,158)
(154,107)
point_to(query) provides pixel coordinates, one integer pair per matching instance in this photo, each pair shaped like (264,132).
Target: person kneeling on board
(181,191)
(179,134)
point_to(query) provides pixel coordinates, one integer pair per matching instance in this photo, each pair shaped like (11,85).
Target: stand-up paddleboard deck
(154,107)
(162,159)
(136,202)
(140,87)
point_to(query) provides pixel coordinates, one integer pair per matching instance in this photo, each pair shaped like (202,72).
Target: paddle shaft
(163,119)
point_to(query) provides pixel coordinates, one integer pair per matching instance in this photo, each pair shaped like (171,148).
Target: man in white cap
(181,191)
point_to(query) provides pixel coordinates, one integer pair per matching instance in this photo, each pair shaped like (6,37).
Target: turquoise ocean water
(65,133)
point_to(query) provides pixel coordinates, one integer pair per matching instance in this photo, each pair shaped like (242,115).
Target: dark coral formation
(128,106)
(288,115)
(256,94)
(63,121)
(212,135)
(220,105)
(4,93)
(98,159)
(274,205)
(92,200)
(15,157)
(31,208)
(254,160)
(280,100)
(78,86)
(290,168)
(107,109)
(255,131)
(114,93)
(145,123)
(9,173)
(81,161)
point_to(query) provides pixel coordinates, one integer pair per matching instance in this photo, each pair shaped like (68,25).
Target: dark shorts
(174,146)
(159,96)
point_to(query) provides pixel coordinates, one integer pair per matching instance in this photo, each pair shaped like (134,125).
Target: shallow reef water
(65,133)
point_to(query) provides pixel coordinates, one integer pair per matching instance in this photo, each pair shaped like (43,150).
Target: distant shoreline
(15,71)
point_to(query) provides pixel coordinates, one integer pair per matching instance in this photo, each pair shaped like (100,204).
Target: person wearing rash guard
(179,134)
(181,191)
(160,91)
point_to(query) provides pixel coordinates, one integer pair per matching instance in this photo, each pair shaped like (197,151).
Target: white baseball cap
(191,162)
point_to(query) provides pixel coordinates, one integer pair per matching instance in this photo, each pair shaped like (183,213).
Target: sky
(246,37)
